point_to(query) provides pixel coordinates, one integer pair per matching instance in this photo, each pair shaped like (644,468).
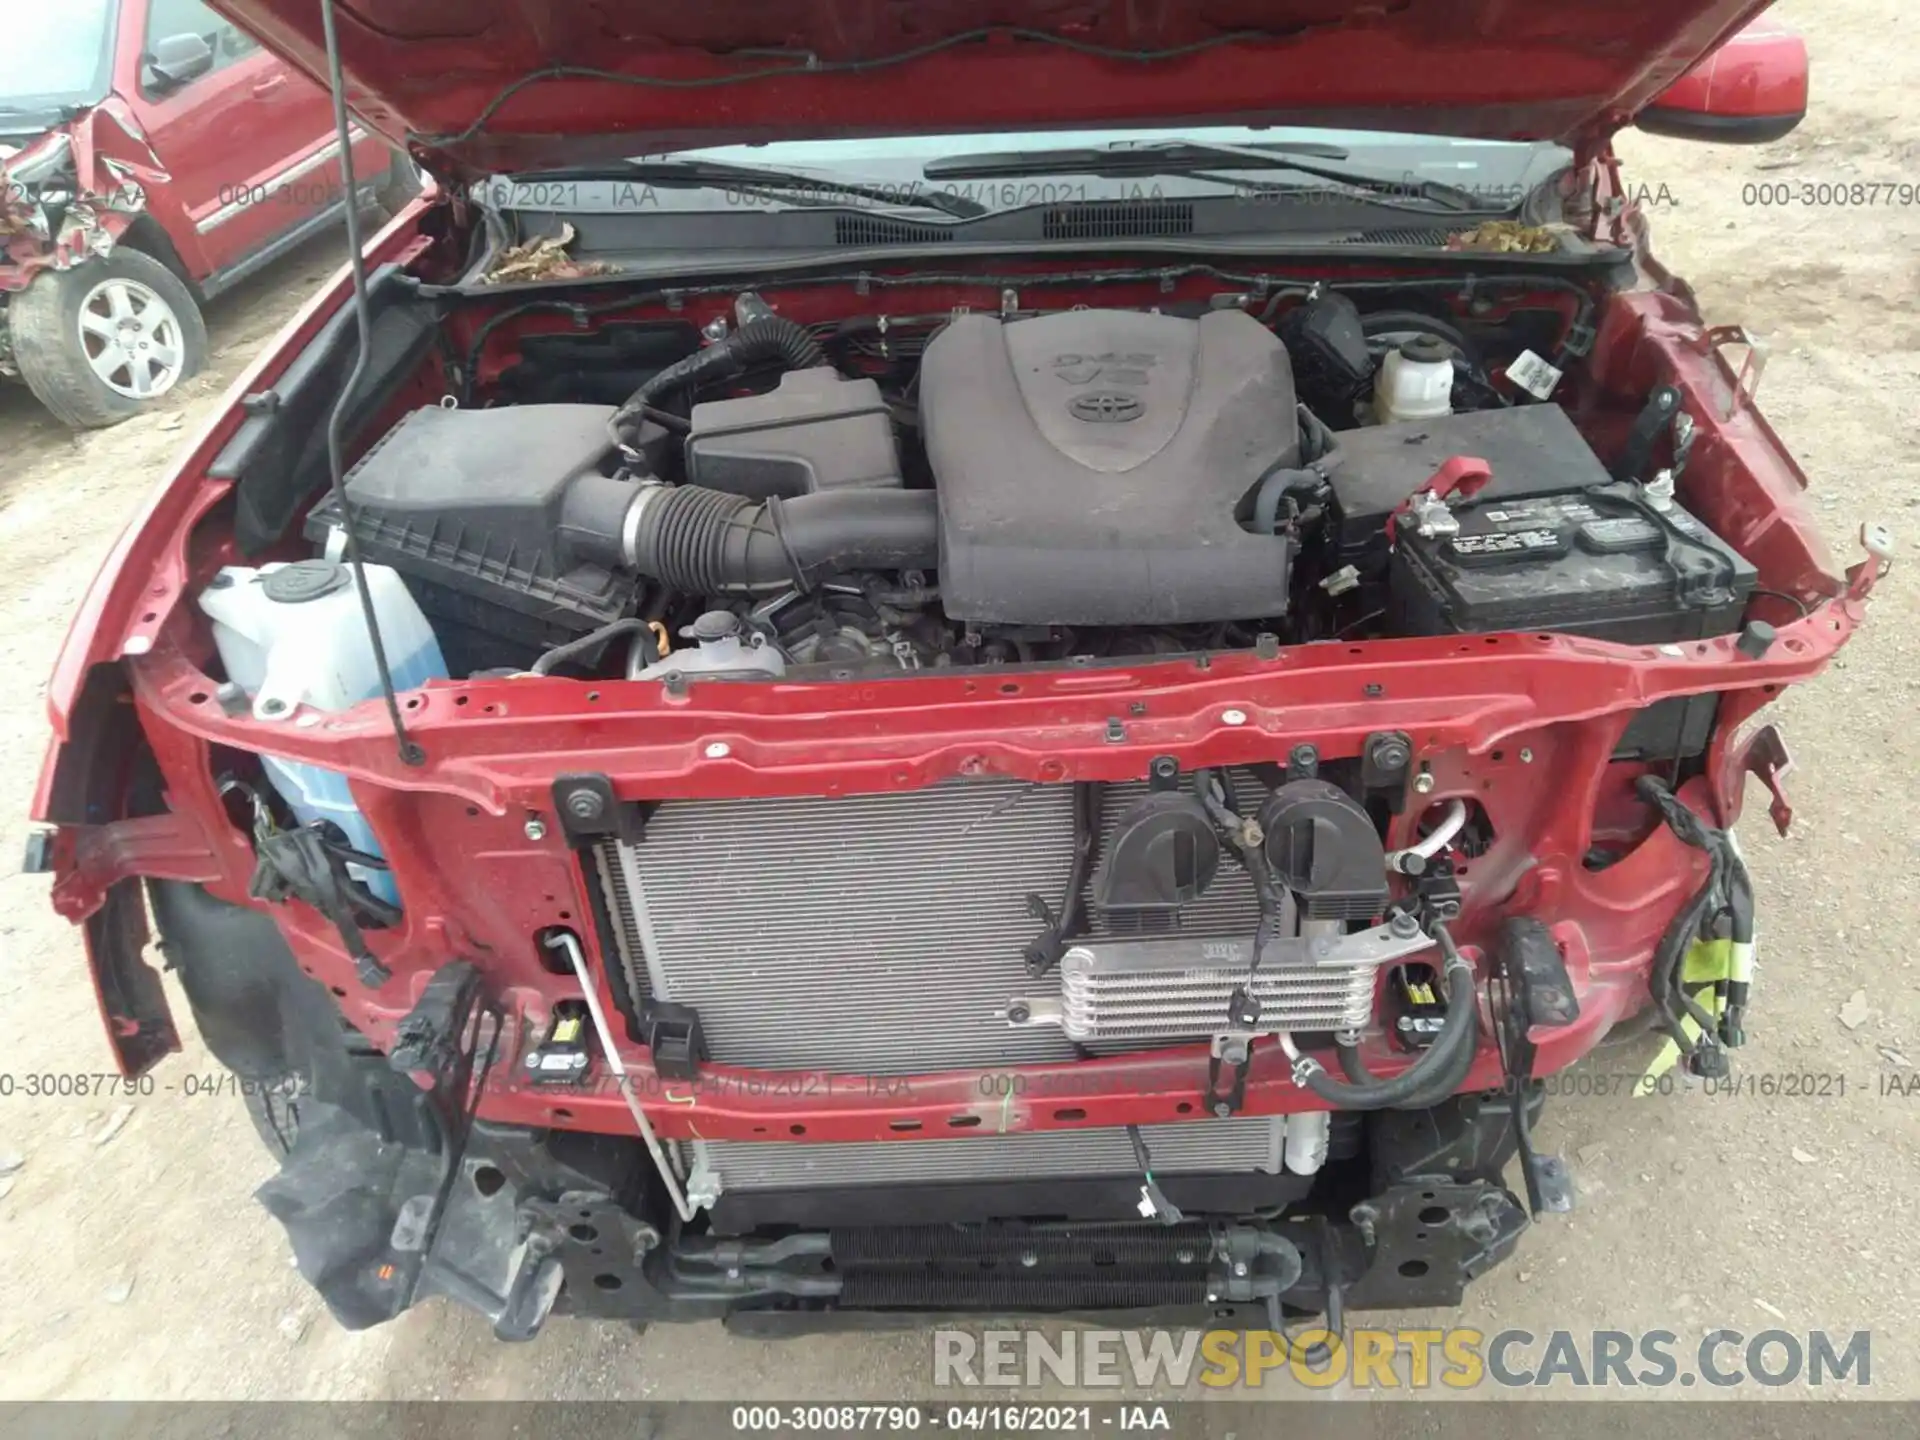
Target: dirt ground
(134,1262)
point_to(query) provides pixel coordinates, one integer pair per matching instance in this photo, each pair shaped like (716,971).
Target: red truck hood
(479,86)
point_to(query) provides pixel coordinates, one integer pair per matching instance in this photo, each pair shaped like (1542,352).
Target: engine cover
(1092,466)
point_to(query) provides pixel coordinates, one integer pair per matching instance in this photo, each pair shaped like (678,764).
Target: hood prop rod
(569,945)
(410,751)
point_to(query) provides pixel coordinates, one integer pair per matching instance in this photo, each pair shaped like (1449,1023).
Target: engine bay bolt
(1266,645)
(718,750)
(1116,731)
(585,804)
(1222,1109)
(1390,752)
(1184,1256)
(1526,754)
(715,329)
(1029,1259)
(1423,783)
(1303,762)
(1019,1013)
(1233,717)
(536,828)
(1240,1267)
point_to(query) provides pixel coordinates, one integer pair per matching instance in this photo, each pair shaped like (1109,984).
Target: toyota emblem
(1106,407)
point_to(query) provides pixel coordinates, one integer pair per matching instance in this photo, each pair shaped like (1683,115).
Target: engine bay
(877,495)
(1219,746)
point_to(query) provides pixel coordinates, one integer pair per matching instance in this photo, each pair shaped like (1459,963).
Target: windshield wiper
(1201,159)
(782,184)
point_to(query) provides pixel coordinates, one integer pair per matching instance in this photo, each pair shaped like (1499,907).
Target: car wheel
(101,341)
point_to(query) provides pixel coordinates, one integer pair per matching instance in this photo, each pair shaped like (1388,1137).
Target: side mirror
(178,59)
(1751,90)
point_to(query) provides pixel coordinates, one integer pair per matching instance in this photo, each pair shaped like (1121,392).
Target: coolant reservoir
(1415,382)
(294,635)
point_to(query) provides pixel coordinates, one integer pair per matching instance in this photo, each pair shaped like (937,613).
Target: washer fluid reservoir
(294,635)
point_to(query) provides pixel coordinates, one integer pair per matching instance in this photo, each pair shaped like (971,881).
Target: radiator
(885,935)
(869,934)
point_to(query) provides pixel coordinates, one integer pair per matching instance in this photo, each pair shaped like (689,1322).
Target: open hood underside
(483,86)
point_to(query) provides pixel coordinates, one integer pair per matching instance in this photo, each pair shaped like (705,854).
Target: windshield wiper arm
(1114,159)
(755,179)
(1197,158)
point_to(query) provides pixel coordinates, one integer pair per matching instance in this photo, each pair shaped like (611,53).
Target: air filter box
(468,505)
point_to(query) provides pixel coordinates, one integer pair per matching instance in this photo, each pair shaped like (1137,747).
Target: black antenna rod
(410,751)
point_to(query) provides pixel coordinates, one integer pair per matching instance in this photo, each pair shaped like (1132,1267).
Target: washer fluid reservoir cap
(304,580)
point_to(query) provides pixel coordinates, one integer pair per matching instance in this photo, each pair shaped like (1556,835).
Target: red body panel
(1762,71)
(485,85)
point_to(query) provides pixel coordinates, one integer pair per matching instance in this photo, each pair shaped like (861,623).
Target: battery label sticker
(1625,530)
(1532,512)
(1508,542)
(1533,375)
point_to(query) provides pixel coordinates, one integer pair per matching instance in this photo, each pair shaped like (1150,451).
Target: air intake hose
(764,338)
(710,542)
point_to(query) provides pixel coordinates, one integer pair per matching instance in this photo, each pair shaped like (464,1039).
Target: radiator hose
(1445,1063)
(765,338)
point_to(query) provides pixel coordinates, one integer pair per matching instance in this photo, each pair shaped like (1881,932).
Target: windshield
(53,56)
(1498,172)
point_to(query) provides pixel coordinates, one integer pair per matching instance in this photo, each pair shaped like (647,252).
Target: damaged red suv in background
(152,155)
(1004,677)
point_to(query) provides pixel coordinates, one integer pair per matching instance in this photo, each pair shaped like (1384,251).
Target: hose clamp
(630,522)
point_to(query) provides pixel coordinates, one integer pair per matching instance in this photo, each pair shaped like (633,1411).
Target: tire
(69,326)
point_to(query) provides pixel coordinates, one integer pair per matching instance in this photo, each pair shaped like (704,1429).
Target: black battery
(1604,562)
(1530,450)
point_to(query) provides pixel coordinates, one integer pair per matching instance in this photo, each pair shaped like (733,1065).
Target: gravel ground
(135,1264)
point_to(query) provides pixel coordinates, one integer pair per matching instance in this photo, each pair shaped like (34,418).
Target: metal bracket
(1230,1051)
(586,806)
(1877,541)
(1746,380)
(1766,757)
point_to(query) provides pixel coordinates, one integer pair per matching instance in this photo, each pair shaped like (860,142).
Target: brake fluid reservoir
(294,635)
(1415,382)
